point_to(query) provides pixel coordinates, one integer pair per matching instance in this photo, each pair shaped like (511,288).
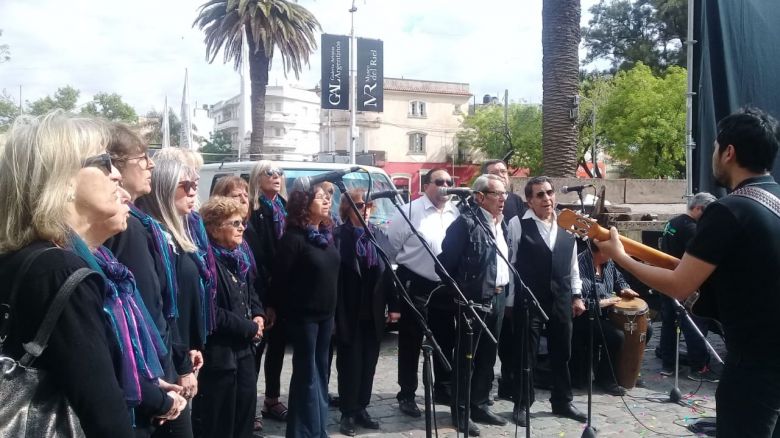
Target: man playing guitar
(735,259)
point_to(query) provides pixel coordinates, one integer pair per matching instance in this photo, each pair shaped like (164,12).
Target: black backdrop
(736,63)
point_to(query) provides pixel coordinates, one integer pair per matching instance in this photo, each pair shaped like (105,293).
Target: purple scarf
(234,259)
(279,214)
(365,250)
(320,237)
(138,337)
(163,251)
(207,268)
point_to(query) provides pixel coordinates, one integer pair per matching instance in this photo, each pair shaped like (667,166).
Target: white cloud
(140,49)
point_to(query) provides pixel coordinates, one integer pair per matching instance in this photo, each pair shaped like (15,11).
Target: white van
(383,211)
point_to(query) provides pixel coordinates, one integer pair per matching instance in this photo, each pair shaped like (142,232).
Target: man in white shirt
(483,276)
(430,214)
(545,256)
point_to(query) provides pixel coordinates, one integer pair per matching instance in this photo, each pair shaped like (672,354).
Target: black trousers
(698,356)
(308,414)
(356,365)
(748,398)
(559,345)
(226,401)
(607,336)
(276,342)
(483,353)
(410,336)
(507,349)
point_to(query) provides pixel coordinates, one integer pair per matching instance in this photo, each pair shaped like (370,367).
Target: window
(417,143)
(278,106)
(417,109)
(277,132)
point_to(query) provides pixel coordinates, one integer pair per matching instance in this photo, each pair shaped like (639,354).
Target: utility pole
(21,111)
(353,87)
(506,119)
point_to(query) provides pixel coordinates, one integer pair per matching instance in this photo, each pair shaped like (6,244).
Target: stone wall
(620,191)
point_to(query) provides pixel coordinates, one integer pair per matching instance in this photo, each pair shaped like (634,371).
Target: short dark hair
(425,179)
(529,186)
(489,163)
(755,136)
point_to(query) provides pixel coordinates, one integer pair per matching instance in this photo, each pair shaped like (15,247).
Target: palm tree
(269,25)
(560,83)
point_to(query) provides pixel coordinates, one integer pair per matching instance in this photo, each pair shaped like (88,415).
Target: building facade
(416,132)
(292,125)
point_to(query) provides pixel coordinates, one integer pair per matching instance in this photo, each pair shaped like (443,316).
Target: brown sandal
(275,411)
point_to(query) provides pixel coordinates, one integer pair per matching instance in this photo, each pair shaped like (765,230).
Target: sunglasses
(102,161)
(274,172)
(441,182)
(362,205)
(189,185)
(235,224)
(549,193)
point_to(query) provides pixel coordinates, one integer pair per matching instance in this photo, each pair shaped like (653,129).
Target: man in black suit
(483,276)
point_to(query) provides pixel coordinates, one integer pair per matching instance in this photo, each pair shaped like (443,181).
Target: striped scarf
(164,252)
(234,259)
(207,268)
(138,338)
(365,250)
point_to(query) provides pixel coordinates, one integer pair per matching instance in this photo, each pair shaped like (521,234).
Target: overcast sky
(141,48)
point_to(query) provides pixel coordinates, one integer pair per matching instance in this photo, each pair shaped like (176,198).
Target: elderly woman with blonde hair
(225,406)
(60,190)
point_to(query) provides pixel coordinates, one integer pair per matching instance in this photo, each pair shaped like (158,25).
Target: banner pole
(353,86)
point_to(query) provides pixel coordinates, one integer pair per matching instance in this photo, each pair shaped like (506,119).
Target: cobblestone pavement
(612,416)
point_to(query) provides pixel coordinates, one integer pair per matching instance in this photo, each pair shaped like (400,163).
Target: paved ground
(643,412)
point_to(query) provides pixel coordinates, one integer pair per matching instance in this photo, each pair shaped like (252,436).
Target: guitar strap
(762,196)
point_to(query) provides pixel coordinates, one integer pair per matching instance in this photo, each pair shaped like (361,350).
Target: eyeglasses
(496,194)
(498,171)
(189,185)
(141,158)
(540,195)
(441,182)
(321,196)
(274,172)
(102,161)
(235,224)
(362,205)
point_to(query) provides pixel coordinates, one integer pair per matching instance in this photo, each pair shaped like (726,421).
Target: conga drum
(630,316)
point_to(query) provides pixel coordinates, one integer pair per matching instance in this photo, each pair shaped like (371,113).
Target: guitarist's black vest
(547,273)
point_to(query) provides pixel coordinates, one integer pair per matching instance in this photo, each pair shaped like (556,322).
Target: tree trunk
(258,75)
(560,83)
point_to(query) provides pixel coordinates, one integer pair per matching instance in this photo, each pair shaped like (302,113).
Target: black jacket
(232,338)
(469,257)
(261,237)
(305,278)
(360,286)
(82,350)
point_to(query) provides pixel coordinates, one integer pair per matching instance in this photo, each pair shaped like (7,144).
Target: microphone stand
(449,281)
(429,344)
(530,301)
(594,310)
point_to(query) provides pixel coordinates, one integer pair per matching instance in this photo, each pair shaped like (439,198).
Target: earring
(70,197)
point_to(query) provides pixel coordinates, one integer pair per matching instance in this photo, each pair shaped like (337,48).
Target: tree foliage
(151,126)
(8,111)
(596,90)
(218,148)
(484,131)
(5,51)
(65,99)
(626,32)
(644,122)
(110,107)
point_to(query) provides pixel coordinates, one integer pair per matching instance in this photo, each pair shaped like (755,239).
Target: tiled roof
(431,87)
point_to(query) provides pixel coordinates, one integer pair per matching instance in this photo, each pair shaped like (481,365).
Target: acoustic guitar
(581,226)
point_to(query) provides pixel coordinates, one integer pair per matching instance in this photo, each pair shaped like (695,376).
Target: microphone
(305,183)
(387,194)
(567,189)
(463,192)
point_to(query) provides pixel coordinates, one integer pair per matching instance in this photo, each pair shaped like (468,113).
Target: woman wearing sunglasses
(58,183)
(225,405)
(267,223)
(172,198)
(365,288)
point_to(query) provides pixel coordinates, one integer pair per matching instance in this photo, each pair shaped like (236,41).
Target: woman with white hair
(172,198)
(58,185)
(267,223)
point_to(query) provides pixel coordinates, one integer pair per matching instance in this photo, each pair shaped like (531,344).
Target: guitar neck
(643,252)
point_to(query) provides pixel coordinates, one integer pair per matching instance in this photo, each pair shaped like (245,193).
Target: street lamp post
(593,150)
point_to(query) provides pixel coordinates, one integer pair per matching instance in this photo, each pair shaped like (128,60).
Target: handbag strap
(35,347)
(762,196)
(6,309)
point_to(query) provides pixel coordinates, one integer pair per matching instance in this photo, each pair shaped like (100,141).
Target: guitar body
(700,303)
